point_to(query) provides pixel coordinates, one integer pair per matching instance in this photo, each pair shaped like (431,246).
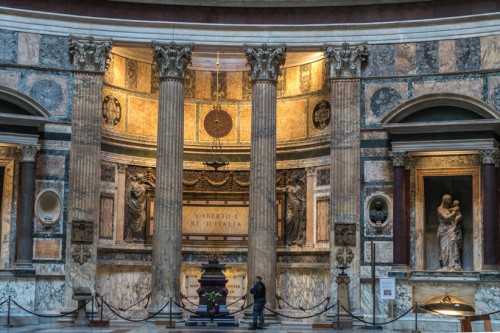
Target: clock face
(218,123)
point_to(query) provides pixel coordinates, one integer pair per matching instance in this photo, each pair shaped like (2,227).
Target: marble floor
(151,328)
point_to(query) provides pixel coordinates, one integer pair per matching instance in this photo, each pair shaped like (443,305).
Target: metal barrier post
(102,306)
(416,317)
(92,313)
(8,313)
(170,314)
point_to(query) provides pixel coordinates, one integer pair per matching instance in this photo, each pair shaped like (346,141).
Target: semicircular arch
(34,112)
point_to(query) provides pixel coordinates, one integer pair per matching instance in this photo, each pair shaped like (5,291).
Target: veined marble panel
(50,165)
(303,287)
(382,99)
(54,51)
(377,171)
(427,57)
(383,252)
(381,306)
(10,79)
(405,62)
(8,46)
(403,297)
(488,299)
(381,61)
(50,91)
(467,87)
(494,90)
(468,54)
(49,294)
(49,269)
(380,271)
(490,51)
(21,290)
(28,49)
(447,58)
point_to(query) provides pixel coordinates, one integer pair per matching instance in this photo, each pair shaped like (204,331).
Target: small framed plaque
(82,232)
(345,234)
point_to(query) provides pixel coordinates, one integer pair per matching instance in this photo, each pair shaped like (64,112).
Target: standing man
(259,300)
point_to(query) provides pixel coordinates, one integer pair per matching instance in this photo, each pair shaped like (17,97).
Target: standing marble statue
(295,211)
(449,234)
(135,201)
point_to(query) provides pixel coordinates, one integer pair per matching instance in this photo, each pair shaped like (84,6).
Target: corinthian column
(88,61)
(265,67)
(25,212)
(167,258)
(489,158)
(345,70)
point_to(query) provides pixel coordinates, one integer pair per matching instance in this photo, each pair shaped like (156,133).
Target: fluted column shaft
(88,59)
(490,217)
(167,238)
(265,64)
(25,211)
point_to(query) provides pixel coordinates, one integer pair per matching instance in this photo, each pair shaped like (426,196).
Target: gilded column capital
(399,159)
(345,62)
(27,153)
(265,62)
(172,60)
(489,156)
(88,54)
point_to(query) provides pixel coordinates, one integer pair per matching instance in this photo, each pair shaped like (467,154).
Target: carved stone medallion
(218,123)
(111,110)
(321,115)
(81,253)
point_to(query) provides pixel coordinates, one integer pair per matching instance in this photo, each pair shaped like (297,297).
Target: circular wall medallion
(218,123)
(48,208)
(321,115)
(385,100)
(111,110)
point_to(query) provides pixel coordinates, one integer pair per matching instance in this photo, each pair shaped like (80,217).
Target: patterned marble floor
(150,328)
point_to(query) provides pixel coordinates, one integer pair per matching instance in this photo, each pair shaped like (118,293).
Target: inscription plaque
(82,232)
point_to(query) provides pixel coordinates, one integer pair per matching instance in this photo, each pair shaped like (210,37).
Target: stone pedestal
(342,318)
(82,295)
(265,64)
(172,61)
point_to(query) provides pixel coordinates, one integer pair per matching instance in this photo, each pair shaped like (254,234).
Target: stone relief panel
(8,46)
(54,51)
(382,99)
(305,78)
(114,113)
(468,54)
(406,58)
(130,74)
(322,177)
(50,91)
(381,61)
(427,57)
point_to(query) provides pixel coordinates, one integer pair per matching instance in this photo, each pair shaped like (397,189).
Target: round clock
(218,123)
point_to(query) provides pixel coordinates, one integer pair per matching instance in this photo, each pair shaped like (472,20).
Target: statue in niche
(449,233)
(378,214)
(135,205)
(295,211)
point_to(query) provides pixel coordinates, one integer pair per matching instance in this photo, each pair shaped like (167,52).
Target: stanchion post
(92,313)
(416,317)
(338,314)
(170,314)
(8,313)
(102,306)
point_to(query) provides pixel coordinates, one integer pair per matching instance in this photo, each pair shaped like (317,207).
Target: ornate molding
(265,62)
(88,54)
(27,153)
(346,61)
(398,159)
(489,156)
(172,60)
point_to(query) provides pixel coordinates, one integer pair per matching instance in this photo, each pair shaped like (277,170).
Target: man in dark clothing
(259,300)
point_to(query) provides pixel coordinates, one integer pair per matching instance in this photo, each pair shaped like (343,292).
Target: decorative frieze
(346,61)
(265,62)
(88,54)
(172,59)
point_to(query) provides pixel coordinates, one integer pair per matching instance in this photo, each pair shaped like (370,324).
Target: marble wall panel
(235,85)
(291,120)
(49,269)
(118,71)
(142,116)
(281,84)
(117,100)
(50,165)
(380,271)
(382,99)
(190,123)
(50,91)
(403,297)
(381,61)
(381,306)
(10,79)
(468,54)
(383,252)
(143,77)
(122,286)
(427,59)
(377,171)
(106,216)
(302,287)
(54,51)
(490,52)
(8,46)
(28,49)
(246,85)
(406,58)
(292,81)
(203,85)
(47,248)
(109,72)
(468,87)
(494,90)
(322,219)
(21,290)
(6,233)
(487,298)
(317,79)
(49,294)
(447,58)
(245,123)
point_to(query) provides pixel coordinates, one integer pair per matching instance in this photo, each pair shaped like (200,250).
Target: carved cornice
(265,62)
(88,54)
(346,61)
(398,159)
(27,153)
(172,59)
(489,156)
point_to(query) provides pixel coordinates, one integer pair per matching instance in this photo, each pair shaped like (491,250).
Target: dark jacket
(259,291)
